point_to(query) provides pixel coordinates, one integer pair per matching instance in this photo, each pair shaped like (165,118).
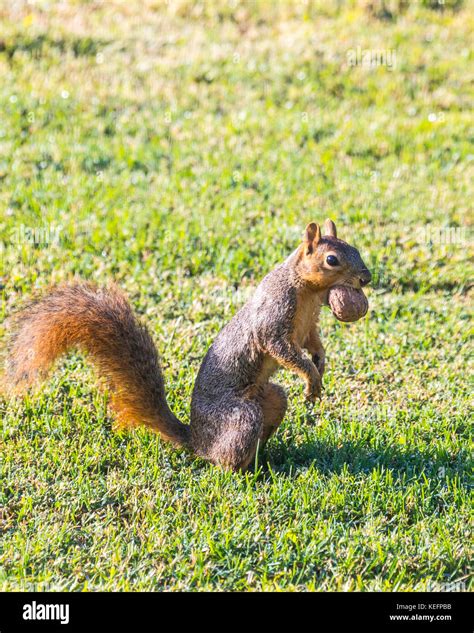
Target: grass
(180,149)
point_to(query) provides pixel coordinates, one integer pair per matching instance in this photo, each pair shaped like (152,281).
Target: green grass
(182,149)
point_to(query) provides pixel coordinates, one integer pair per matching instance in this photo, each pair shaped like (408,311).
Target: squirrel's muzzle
(365,277)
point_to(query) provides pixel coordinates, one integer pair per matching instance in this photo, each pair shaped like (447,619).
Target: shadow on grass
(329,458)
(39,45)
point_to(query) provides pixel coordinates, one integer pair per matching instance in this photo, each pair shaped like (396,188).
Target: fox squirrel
(234,405)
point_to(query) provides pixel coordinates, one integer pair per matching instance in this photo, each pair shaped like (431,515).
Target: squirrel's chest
(306,316)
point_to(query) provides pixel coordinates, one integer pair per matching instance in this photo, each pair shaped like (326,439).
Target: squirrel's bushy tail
(101,323)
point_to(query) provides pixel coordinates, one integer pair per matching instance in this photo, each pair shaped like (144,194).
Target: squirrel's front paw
(320,361)
(313,388)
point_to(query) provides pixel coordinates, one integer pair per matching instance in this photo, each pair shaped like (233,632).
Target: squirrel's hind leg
(274,404)
(236,425)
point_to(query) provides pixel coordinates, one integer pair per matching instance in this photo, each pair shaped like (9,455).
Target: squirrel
(234,407)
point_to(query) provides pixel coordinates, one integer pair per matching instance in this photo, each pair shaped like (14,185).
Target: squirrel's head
(327,261)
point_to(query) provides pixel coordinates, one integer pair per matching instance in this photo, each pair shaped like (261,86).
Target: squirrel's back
(236,359)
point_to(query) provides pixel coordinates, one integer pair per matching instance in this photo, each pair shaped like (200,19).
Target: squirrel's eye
(332,260)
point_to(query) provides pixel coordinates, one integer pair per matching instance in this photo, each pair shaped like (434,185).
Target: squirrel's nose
(364,277)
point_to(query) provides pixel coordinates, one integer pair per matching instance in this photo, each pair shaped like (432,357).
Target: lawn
(180,149)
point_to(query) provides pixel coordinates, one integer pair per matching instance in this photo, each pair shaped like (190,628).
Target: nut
(347,304)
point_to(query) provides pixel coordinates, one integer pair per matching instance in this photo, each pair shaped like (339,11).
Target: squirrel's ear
(312,235)
(330,228)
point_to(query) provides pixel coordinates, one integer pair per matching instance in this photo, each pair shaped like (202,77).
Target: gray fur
(226,409)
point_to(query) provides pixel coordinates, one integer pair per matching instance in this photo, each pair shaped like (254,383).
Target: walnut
(347,304)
